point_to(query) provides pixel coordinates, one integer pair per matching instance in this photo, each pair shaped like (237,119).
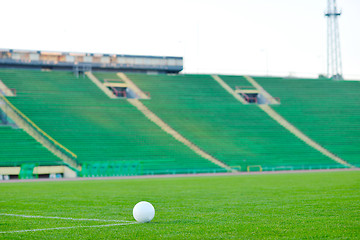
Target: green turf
(289,206)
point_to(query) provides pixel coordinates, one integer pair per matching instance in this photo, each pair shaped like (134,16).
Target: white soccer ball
(143,212)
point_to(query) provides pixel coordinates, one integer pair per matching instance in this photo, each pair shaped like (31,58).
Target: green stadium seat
(97,129)
(27,171)
(327,111)
(108,134)
(239,135)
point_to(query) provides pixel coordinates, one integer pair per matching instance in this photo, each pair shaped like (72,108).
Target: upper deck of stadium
(89,61)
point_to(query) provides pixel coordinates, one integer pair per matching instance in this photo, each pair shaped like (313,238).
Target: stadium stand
(17,148)
(111,137)
(239,135)
(106,75)
(234,81)
(327,111)
(264,101)
(98,129)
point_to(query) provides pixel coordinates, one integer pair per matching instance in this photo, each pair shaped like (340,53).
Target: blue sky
(281,37)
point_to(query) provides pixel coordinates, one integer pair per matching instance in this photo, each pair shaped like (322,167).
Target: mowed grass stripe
(303,205)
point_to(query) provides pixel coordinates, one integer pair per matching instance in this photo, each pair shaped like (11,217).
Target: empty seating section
(234,81)
(239,135)
(103,131)
(106,75)
(17,147)
(327,111)
(82,118)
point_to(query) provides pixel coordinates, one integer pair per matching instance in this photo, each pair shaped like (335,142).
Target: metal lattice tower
(334,64)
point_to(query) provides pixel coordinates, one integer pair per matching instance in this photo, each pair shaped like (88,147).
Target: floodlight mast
(334,63)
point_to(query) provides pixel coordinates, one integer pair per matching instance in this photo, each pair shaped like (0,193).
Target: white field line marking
(59,228)
(64,218)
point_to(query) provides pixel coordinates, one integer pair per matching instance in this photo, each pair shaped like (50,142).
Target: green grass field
(323,205)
